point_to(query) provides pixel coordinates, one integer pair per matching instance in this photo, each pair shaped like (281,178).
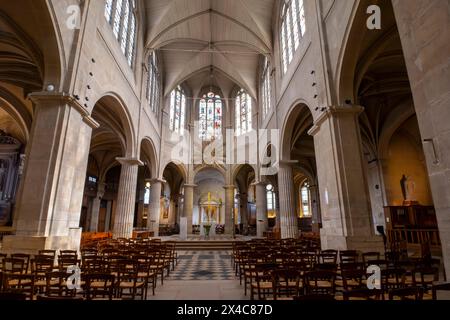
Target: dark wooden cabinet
(412,224)
(411,217)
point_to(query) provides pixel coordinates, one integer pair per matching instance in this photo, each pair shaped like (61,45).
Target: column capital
(260,183)
(64,98)
(288,163)
(188,185)
(333,111)
(130,161)
(101,188)
(230,186)
(156,180)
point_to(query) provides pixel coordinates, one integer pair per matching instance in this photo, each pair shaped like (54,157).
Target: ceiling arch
(224,36)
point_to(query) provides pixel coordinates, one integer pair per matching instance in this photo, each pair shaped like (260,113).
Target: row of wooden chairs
(335,273)
(129,267)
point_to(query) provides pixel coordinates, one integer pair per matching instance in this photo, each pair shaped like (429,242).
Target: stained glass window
(271,197)
(266,89)
(293,27)
(153,84)
(243,109)
(120,14)
(177,110)
(305,200)
(210,116)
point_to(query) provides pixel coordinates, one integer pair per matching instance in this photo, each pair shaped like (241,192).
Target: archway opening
(109,142)
(245,206)
(209,201)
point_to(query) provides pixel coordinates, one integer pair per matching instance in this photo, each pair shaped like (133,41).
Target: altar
(209,215)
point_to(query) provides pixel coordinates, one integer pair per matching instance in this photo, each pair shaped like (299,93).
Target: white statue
(408,188)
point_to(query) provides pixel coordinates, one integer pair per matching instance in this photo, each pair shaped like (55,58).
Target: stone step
(219,245)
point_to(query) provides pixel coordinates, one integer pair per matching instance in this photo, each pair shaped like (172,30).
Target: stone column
(424,32)
(315,207)
(262,221)
(108,216)
(344,197)
(126,198)
(277,206)
(243,203)
(93,227)
(155,206)
(288,215)
(188,205)
(229,209)
(49,207)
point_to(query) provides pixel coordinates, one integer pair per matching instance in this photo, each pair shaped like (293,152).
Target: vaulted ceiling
(210,42)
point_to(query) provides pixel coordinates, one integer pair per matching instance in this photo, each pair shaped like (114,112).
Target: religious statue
(408,190)
(207,226)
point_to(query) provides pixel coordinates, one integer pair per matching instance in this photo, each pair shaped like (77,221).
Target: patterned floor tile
(210,265)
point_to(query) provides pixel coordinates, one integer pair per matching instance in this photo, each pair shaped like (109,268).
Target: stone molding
(130,161)
(334,110)
(64,98)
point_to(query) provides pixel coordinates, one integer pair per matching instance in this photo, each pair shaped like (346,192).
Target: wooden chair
(40,266)
(173,256)
(157,266)
(393,278)
(383,264)
(332,267)
(19,283)
(128,282)
(56,285)
(96,265)
(425,278)
(370,256)
(46,298)
(72,253)
(352,279)
(145,272)
(50,253)
(287,283)
(26,259)
(262,286)
(348,256)
(248,268)
(67,261)
(439,287)
(363,294)
(410,293)
(13,266)
(320,282)
(2,256)
(100,286)
(328,257)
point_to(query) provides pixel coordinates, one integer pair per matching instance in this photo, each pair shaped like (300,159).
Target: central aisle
(201,275)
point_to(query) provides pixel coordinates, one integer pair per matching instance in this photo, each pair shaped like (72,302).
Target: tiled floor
(203,265)
(201,275)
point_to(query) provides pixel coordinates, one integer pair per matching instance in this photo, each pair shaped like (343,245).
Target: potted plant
(207,228)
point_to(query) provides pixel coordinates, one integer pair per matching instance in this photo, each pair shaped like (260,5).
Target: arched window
(210,116)
(305,200)
(293,28)
(271,197)
(243,110)
(266,89)
(147,193)
(153,86)
(177,110)
(120,14)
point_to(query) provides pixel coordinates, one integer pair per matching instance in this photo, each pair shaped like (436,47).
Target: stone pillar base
(31,245)
(363,244)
